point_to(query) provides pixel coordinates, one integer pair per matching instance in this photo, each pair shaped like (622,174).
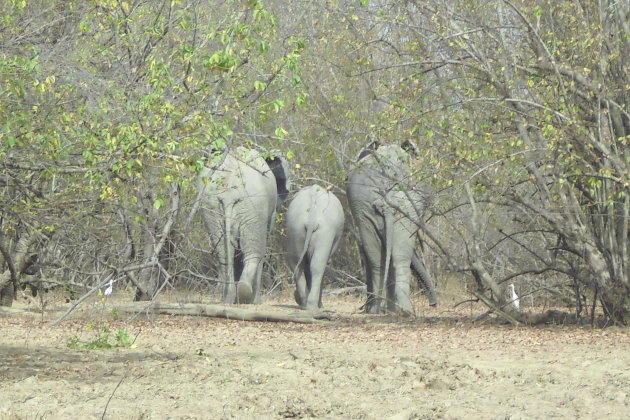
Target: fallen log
(219,311)
(346,291)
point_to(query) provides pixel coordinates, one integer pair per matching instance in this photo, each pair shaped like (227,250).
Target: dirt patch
(354,367)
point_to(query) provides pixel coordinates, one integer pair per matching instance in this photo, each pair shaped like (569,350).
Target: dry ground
(440,365)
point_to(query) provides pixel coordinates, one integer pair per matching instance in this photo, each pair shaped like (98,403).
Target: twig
(496,309)
(84,297)
(112,396)
(466,301)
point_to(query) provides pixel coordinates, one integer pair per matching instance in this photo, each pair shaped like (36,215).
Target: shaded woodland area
(519,109)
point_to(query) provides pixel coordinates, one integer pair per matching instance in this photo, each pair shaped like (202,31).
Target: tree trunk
(18,261)
(147,284)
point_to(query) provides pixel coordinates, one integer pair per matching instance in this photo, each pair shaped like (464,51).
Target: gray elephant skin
(238,203)
(387,205)
(314,223)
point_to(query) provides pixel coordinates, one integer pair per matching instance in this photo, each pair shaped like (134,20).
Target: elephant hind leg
(399,293)
(300,291)
(375,291)
(229,287)
(246,286)
(301,288)
(317,266)
(244,292)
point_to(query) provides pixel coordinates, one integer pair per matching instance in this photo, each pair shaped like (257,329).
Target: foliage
(103,340)
(518,108)
(107,104)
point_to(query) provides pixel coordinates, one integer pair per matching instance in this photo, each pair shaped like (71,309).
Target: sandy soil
(354,367)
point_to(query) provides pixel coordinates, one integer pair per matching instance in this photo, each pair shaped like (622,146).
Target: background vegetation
(519,109)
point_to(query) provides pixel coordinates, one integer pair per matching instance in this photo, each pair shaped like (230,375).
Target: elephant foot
(298,299)
(310,305)
(375,307)
(400,308)
(245,292)
(374,310)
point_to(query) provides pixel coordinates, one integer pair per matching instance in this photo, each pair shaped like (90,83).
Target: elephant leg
(316,267)
(370,251)
(400,300)
(256,286)
(247,283)
(400,276)
(229,290)
(332,251)
(297,268)
(369,302)
(300,286)
(253,248)
(368,276)
(229,287)
(376,293)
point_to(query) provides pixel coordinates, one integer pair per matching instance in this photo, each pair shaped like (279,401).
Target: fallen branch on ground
(218,311)
(346,291)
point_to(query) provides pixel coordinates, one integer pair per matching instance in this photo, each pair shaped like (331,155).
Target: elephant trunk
(427,282)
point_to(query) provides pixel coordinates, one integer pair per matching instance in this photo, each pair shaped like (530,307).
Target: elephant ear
(410,148)
(369,149)
(280,169)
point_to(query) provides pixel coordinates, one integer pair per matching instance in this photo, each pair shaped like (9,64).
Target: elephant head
(239,196)
(387,205)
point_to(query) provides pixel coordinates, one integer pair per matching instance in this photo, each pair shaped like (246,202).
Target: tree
(528,123)
(118,103)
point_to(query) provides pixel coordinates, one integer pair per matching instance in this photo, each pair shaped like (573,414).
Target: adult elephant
(387,205)
(238,202)
(314,228)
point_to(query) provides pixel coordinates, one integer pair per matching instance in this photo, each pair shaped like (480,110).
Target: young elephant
(314,227)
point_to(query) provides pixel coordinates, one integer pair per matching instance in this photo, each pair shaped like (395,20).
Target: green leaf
(158,203)
(280,132)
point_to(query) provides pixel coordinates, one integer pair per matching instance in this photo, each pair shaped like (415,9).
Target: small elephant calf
(314,226)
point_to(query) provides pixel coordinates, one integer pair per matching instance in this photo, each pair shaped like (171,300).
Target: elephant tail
(311,226)
(427,282)
(309,234)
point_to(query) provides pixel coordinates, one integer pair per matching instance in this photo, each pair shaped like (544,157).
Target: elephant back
(242,175)
(385,175)
(387,167)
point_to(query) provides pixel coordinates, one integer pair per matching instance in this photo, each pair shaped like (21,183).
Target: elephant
(314,222)
(387,206)
(238,198)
